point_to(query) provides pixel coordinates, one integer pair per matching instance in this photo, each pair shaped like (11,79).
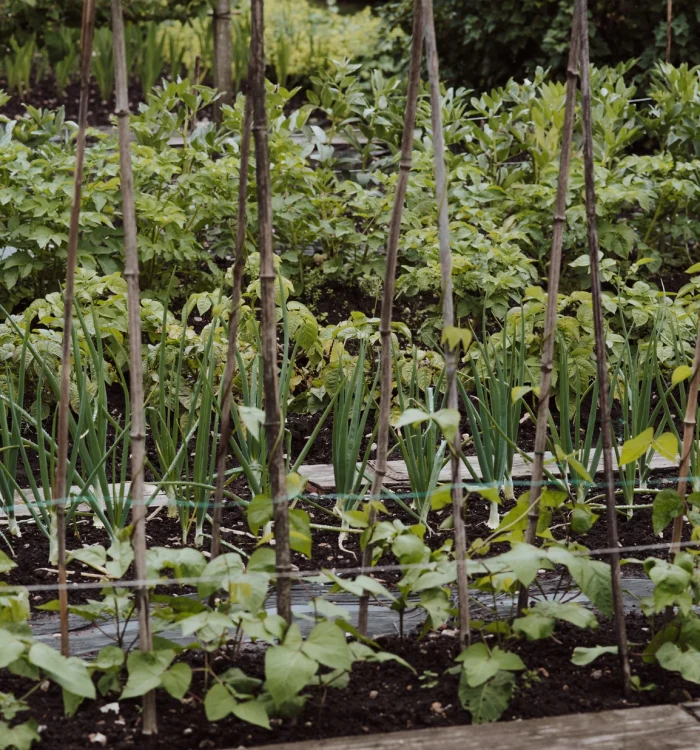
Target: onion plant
(636,378)
(422,447)
(352,409)
(493,412)
(576,449)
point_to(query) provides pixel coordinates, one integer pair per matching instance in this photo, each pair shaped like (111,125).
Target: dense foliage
(483,44)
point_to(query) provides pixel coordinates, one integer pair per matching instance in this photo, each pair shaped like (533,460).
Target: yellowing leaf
(681,373)
(666,445)
(520,392)
(635,447)
(453,337)
(694,268)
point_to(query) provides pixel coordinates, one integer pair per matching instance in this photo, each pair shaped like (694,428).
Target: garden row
(538,567)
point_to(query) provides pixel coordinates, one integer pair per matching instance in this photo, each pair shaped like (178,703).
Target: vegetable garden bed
(274,508)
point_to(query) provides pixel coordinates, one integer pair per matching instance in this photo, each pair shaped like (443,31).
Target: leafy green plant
(18,65)
(103,62)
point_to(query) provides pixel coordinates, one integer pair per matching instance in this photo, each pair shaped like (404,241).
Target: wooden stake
(691,407)
(389,286)
(601,360)
(273,415)
(447,314)
(60,490)
(138,424)
(230,370)
(223,56)
(550,321)
(669,30)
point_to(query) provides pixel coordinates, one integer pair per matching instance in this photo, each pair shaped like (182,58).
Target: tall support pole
(669,29)
(223,56)
(601,359)
(236,294)
(273,413)
(60,489)
(691,408)
(392,251)
(447,315)
(550,321)
(138,423)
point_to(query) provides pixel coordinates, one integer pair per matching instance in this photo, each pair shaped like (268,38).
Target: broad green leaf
(668,505)
(109,658)
(695,268)
(326,644)
(145,671)
(635,447)
(177,679)
(441,497)
(490,493)
(295,485)
(253,419)
(70,673)
(300,531)
(20,736)
(488,701)
(592,577)
(218,702)
(252,712)
(259,512)
(582,518)
(11,648)
(6,564)
(568,612)
(448,421)
(287,672)
(479,664)
(412,416)
(666,445)
(583,656)
(534,626)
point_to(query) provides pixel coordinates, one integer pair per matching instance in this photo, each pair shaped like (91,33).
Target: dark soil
(44,95)
(380,697)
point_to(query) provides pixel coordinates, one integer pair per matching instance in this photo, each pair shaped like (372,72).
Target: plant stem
(550,324)
(273,416)
(447,314)
(691,408)
(392,251)
(223,57)
(601,360)
(230,370)
(138,425)
(60,478)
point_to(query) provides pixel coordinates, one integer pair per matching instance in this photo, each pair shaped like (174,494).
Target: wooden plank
(21,510)
(648,728)
(322,477)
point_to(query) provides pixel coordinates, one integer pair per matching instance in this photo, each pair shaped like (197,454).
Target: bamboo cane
(691,408)
(60,476)
(550,321)
(447,314)
(392,250)
(669,30)
(273,417)
(138,425)
(223,56)
(601,363)
(230,370)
